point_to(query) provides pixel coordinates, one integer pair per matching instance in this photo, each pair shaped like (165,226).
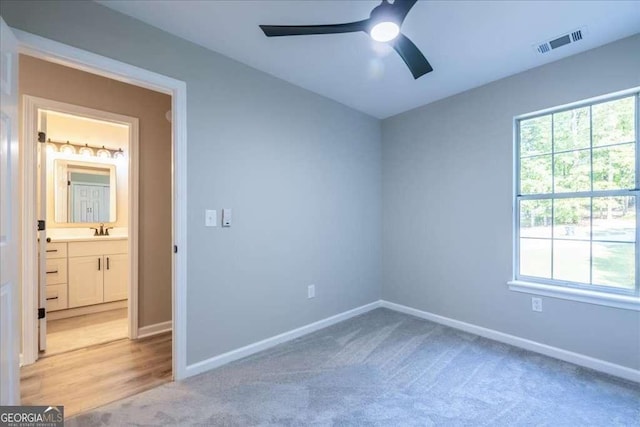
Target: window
(577,194)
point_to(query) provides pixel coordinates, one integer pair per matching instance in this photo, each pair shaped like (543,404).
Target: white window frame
(594,294)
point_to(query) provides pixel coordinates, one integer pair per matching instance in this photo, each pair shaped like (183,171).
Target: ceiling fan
(383,25)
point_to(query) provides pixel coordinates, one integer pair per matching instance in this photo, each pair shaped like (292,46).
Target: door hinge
(42,137)
(41,313)
(175,249)
(41,225)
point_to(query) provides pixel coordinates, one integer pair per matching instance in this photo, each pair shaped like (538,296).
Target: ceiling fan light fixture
(383,25)
(385,31)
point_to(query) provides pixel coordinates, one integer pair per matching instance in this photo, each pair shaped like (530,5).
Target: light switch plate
(226,217)
(210,218)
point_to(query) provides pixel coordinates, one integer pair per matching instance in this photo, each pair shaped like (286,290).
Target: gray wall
(440,159)
(301,172)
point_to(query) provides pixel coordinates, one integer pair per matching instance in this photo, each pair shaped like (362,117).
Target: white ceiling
(468,43)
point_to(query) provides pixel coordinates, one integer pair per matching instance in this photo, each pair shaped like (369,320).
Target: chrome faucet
(102,231)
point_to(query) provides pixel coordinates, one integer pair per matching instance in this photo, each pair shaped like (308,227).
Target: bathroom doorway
(101,268)
(86,161)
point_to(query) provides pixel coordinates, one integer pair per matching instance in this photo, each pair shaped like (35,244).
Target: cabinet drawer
(56,271)
(57,297)
(104,247)
(56,250)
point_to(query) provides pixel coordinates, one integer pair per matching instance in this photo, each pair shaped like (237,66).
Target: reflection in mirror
(85,192)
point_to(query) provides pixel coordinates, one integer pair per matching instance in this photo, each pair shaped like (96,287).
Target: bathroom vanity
(83,271)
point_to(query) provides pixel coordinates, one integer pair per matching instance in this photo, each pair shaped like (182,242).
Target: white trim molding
(581,295)
(49,50)
(223,359)
(155,329)
(547,350)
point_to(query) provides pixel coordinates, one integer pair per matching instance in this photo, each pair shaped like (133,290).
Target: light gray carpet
(389,369)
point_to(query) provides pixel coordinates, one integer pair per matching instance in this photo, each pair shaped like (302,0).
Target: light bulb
(385,31)
(104,153)
(51,147)
(118,154)
(67,149)
(86,151)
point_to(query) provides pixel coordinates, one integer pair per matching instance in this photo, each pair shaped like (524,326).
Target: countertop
(63,239)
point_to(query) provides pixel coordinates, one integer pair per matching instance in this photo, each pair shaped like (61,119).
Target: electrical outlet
(536,304)
(311,291)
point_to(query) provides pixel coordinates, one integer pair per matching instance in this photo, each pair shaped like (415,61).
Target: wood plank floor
(86,330)
(94,376)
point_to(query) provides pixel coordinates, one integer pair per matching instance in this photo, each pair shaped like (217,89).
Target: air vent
(544,48)
(576,35)
(563,40)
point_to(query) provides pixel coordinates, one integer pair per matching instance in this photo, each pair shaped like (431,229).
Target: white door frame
(60,53)
(31,106)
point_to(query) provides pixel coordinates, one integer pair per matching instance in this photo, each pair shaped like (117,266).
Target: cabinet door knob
(107,263)
(98,264)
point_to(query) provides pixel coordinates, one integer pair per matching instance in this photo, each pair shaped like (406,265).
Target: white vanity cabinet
(98,272)
(115,277)
(85,281)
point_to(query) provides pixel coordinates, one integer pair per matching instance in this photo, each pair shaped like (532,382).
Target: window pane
(535,175)
(614,218)
(535,218)
(614,264)
(613,122)
(572,171)
(571,260)
(535,257)
(614,167)
(535,136)
(571,130)
(572,218)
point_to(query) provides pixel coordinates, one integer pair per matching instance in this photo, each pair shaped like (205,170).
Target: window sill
(581,295)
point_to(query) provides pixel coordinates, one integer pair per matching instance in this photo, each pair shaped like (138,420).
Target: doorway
(87,170)
(104,232)
(81,277)
(15,41)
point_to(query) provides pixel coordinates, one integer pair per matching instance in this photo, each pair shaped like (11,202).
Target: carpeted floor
(389,369)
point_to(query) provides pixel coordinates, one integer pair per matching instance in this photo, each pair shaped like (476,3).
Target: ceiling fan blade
(303,30)
(411,55)
(402,7)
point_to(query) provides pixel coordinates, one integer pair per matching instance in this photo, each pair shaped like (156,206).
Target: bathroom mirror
(84,192)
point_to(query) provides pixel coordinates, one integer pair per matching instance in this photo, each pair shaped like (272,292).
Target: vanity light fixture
(84,149)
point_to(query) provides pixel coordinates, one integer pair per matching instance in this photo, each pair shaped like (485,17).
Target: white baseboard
(155,329)
(547,350)
(217,361)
